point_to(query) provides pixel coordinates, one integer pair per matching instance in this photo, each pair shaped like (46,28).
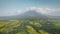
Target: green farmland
(41,26)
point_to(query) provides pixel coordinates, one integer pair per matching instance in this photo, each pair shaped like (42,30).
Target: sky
(15,7)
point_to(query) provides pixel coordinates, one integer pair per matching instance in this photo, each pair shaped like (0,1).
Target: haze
(16,7)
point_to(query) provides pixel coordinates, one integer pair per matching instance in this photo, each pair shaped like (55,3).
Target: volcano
(31,14)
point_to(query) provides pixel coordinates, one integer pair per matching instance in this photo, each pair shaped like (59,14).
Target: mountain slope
(31,14)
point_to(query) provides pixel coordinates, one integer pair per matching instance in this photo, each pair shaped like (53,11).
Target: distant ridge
(31,14)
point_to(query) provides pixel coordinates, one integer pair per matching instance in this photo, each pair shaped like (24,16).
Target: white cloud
(10,12)
(41,10)
(47,11)
(18,11)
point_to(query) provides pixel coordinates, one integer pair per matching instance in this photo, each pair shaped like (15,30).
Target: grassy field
(40,26)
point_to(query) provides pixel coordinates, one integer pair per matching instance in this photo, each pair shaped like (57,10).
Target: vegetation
(38,26)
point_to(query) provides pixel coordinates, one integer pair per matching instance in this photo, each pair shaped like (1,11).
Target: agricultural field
(41,26)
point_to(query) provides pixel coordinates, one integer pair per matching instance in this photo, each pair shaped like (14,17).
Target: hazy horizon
(29,16)
(16,7)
